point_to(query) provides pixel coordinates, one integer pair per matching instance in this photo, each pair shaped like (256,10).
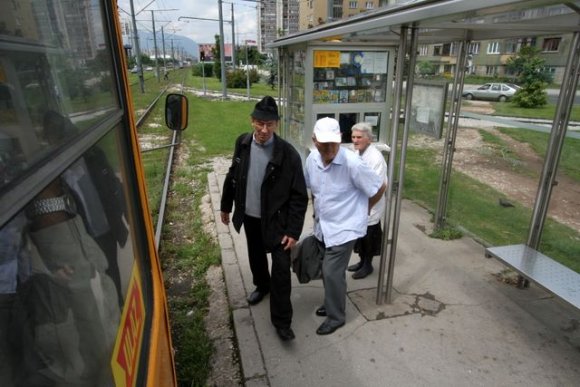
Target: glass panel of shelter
(344,80)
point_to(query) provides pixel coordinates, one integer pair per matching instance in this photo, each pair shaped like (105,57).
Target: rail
(175,140)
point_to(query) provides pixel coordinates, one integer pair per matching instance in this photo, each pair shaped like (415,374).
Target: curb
(250,352)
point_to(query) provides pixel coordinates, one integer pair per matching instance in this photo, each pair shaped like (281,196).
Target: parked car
(492,91)
(135,70)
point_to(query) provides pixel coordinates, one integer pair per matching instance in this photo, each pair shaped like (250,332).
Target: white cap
(327,130)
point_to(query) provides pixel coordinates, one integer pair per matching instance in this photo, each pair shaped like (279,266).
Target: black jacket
(284,198)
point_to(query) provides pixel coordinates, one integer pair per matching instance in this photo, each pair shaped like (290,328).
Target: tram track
(175,140)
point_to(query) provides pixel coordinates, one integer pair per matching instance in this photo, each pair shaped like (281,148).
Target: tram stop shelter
(361,69)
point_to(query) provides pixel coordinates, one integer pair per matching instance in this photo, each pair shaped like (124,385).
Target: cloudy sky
(201,31)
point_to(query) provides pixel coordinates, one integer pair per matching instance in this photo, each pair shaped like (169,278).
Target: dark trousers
(279,283)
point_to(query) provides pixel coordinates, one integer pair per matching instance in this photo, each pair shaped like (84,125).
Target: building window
(491,70)
(512,46)
(370,5)
(452,49)
(551,44)
(493,48)
(474,48)
(437,50)
(423,50)
(353,4)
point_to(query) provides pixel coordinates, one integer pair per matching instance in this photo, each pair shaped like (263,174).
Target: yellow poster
(326,59)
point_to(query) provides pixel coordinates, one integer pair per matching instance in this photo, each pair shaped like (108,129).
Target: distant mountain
(180,44)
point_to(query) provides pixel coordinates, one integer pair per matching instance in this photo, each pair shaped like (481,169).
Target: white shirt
(374,159)
(341,192)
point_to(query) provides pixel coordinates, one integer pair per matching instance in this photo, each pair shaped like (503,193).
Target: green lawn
(474,206)
(509,109)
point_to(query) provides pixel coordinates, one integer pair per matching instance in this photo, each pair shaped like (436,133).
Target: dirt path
(513,169)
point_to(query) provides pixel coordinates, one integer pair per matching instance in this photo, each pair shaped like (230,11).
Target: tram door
(81,296)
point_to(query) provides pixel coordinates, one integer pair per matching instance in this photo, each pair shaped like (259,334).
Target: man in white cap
(344,189)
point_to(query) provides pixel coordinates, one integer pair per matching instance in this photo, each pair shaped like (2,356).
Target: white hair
(365,128)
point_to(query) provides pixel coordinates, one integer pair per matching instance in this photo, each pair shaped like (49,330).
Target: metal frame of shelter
(460,21)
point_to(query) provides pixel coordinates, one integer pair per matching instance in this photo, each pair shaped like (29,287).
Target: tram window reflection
(49,63)
(65,262)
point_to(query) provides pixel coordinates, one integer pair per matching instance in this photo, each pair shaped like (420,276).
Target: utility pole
(137,50)
(163,45)
(155,45)
(222,53)
(233,39)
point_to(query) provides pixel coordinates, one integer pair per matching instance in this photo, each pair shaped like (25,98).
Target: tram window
(64,270)
(48,63)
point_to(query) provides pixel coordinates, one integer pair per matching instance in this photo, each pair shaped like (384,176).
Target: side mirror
(176,111)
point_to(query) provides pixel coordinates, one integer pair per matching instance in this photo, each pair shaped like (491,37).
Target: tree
(254,56)
(426,68)
(217,64)
(531,76)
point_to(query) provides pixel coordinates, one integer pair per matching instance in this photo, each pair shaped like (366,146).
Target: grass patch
(259,89)
(446,233)
(218,127)
(475,207)
(188,251)
(569,159)
(546,112)
(500,147)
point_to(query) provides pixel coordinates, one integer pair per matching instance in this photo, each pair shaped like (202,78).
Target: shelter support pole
(395,188)
(556,142)
(451,135)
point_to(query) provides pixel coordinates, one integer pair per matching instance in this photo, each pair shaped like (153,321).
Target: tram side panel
(81,294)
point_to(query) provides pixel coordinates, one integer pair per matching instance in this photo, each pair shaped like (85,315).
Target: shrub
(207,67)
(236,79)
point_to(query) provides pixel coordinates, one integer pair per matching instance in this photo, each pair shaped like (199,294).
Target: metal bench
(541,269)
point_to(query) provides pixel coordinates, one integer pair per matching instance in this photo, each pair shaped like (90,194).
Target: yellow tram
(82,301)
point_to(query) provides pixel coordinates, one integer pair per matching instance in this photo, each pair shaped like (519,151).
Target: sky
(201,31)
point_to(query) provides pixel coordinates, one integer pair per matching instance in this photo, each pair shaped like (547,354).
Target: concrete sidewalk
(451,322)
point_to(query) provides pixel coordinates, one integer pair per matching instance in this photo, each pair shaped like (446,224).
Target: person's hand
(288,242)
(64,273)
(225,216)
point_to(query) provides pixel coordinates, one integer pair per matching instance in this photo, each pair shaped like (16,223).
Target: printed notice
(326,59)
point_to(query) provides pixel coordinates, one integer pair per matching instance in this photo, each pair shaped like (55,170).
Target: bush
(254,76)
(208,69)
(236,79)
(532,95)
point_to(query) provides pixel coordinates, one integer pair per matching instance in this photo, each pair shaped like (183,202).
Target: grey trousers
(334,267)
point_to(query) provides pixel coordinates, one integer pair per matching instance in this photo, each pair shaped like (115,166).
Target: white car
(492,91)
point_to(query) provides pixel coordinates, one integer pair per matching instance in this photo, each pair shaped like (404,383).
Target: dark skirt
(370,245)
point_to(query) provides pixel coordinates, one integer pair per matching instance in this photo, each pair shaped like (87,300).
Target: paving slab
(451,322)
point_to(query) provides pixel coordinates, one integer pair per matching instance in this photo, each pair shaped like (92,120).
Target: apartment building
(489,58)
(316,12)
(277,18)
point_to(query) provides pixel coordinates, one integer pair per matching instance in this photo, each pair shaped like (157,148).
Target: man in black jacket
(266,183)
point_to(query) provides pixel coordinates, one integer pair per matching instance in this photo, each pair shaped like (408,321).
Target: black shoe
(285,334)
(256,297)
(356,266)
(363,272)
(321,311)
(327,329)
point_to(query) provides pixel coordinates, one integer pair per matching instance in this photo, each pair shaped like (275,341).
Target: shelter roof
(442,21)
